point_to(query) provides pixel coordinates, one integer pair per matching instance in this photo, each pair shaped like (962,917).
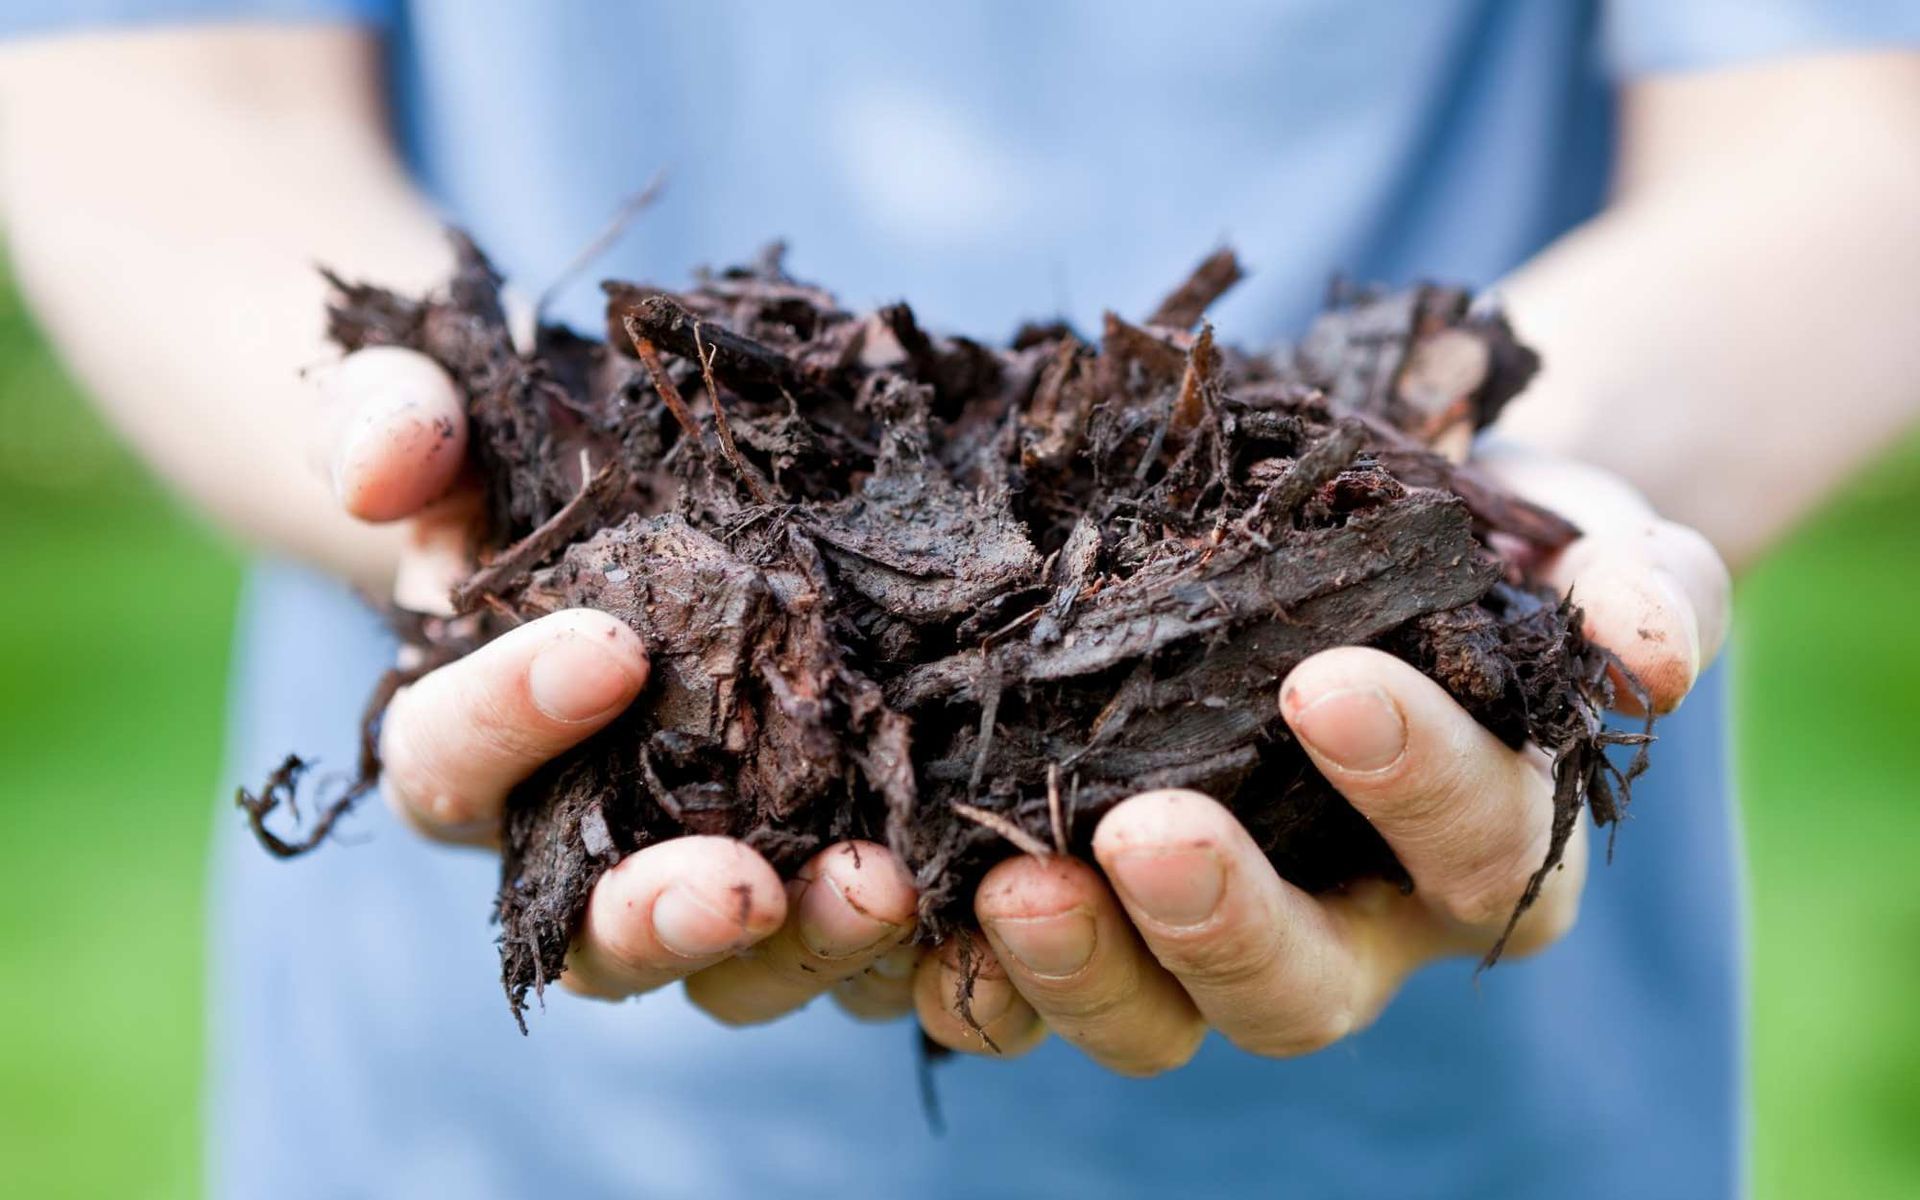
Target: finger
(399,431)
(884,991)
(454,743)
(973,1008)
(1469,818)
(1657,596)
(1653,592)
(1067,947)
(1690,558)
(1272,969)
(439,553)
(670,910)
(1639,612)
(846,908)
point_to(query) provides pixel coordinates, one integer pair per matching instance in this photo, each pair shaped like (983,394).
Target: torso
(989,162)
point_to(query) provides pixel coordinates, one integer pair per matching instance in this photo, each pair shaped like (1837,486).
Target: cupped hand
(456,742)
(1190,929)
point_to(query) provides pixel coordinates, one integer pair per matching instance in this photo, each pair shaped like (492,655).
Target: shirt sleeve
(1642,37)
(28,17)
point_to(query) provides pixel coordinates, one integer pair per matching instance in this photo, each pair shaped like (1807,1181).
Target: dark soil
(962,599)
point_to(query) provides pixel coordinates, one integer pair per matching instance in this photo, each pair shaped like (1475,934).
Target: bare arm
(167,195)
(1762,260)
(1740,329)
(1653,318)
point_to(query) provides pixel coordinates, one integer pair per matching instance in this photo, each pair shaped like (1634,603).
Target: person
(1703,215)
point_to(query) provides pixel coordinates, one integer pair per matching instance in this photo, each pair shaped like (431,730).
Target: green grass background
(113,658)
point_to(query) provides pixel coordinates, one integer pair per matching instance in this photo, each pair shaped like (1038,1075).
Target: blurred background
(113,659)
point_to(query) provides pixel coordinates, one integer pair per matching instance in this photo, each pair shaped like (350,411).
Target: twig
(987,819)
(280,788)
(602,241)
(285,779)
(1191,405)
(662,382)
(1209,281)
(1025,618)
(502,609)
(989,713)
(929,1094)
(970,964)
(589,502)
(1053,810)
(721,427)
(666,323)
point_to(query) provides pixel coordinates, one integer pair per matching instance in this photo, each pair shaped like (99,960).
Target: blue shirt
(991,162)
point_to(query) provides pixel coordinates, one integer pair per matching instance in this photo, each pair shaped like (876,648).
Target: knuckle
(1162,1054)
(505,731)
(1305,1034)
(1232,963)
(1091,1002)
(867,1002)
(1487,899)
(1426,791)
(1333,1025)
(793,968)
(1489,884)
(1322,1003)
(724,1004)
(1459,770)
(1482,864)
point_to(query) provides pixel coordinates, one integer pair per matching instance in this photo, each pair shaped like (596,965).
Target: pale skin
(1669,322)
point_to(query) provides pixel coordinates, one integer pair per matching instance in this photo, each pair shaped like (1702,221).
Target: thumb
(1653,592)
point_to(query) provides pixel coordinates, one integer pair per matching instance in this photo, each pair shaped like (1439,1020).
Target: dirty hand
(1190,929)
(454,743)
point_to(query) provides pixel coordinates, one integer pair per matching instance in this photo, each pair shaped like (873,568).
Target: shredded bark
(964,599)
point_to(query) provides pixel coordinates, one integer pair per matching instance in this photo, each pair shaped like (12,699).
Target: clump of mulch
(963,598)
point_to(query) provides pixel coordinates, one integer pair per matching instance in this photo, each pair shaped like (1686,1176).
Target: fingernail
(1174,887)
(1355,729)
(690,927)
(1051,947)
(579,676)
(990,998)
(831,926)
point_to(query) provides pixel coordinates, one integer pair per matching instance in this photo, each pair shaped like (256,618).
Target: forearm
(167,197)
(1736,333)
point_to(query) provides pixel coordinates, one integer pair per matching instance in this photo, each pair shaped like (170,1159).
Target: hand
(1196,931)
(454,743)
